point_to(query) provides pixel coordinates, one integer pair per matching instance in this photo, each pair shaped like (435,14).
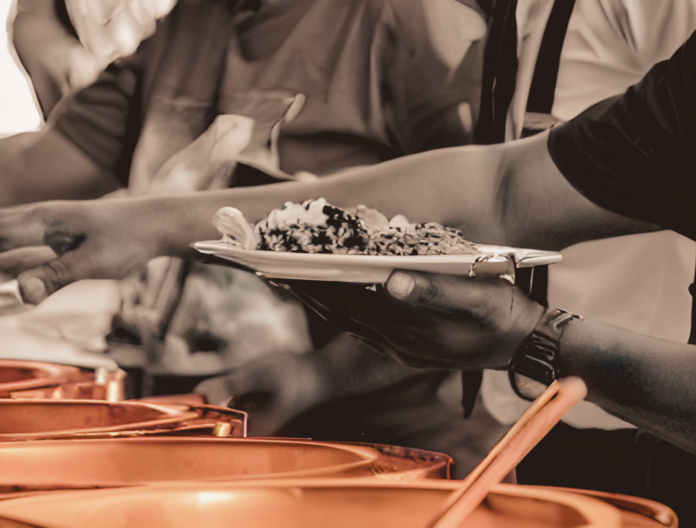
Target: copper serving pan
(318,503)
(38,380)
(18,375)
(54,419)
(98,463)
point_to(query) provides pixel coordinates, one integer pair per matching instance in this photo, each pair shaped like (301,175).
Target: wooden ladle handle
(533,425)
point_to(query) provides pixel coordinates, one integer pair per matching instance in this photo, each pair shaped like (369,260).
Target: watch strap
(537,358)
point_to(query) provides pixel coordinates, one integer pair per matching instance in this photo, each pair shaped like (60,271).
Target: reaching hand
(273,389)
(59,62)
(89,240)
(110,30)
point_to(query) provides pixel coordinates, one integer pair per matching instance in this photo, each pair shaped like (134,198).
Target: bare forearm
(645,381)
(39,166)
(426,187)
(481,190)
(509,194)
(539,208)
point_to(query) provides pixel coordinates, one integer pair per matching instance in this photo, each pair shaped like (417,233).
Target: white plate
(493,261)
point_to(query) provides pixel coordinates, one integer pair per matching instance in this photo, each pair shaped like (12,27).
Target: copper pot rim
(596,511)
(367,460)
(174,418)
(364,451)
(369,451)
(49,374)
(648,507)
(171,414)
(168,409)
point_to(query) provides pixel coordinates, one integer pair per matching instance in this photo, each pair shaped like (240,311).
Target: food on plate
(318,227)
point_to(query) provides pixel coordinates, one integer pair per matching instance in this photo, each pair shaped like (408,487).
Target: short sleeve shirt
(635,154)
(391,77)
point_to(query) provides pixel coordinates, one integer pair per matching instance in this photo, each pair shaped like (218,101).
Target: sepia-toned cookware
(53,419)
(319,503)
(38,380)
(99,463)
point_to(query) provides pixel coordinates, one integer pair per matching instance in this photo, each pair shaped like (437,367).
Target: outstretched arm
(500,194)
(509,194)
(473,188)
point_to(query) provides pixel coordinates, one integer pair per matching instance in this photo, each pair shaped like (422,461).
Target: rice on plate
(316,226)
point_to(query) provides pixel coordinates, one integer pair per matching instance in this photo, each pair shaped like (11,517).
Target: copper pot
(318,503)
(38,380)
(52,419)
(97,463)
(18,375)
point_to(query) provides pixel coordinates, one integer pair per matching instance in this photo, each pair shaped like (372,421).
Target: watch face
(525,387)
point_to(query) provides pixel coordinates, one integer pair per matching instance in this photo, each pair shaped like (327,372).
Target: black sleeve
(103,120)
(635,154)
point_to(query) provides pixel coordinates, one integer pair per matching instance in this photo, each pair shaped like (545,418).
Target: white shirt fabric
(637,282)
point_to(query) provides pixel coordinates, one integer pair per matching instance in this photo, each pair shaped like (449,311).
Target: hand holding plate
(430,320)
(470,323)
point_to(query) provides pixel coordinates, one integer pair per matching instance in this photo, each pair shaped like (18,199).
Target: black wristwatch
(535,364)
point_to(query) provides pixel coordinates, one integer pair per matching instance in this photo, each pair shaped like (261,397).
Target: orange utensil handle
(533,425)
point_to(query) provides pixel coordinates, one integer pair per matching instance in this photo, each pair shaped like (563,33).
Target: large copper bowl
(38,380)
(320,503)
(70,464)
(53,419)
(18,375)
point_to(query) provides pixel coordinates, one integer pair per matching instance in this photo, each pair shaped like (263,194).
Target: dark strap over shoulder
(540,101)
(498,86)
(692,291)
(499,73)
(543,87)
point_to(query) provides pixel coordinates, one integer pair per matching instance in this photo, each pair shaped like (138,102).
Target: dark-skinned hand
(430,320)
